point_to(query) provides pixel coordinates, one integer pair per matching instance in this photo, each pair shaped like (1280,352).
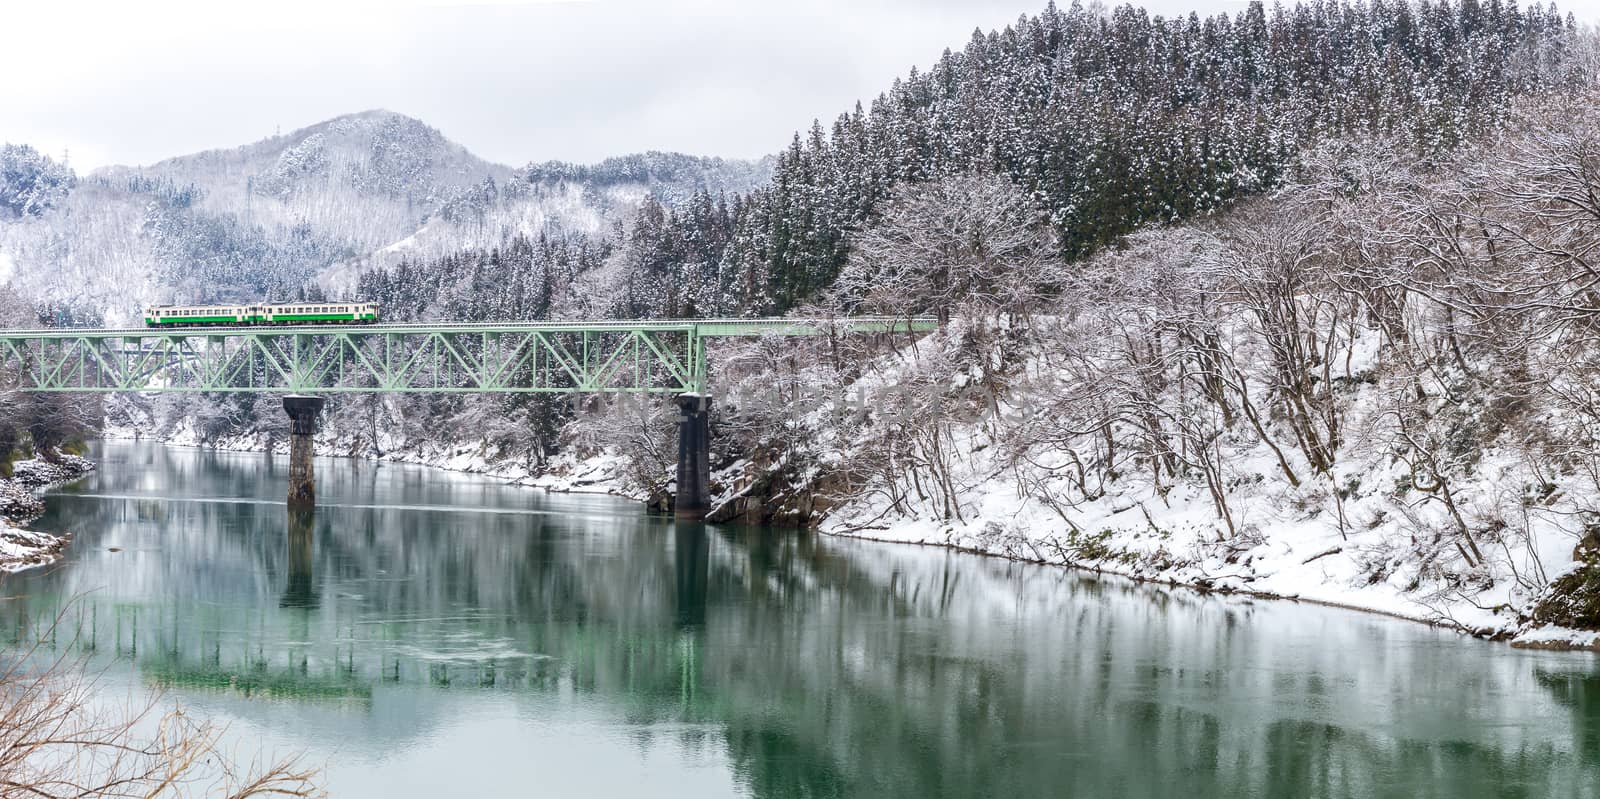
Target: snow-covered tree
(31,183)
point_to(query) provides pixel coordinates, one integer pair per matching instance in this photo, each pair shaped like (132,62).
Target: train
(275,313)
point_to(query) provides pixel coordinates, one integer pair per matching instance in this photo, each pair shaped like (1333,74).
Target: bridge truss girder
(563,358)
(660,360)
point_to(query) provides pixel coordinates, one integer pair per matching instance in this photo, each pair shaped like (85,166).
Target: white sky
(513,80)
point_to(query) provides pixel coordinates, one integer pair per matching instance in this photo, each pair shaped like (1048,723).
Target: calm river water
(429,634)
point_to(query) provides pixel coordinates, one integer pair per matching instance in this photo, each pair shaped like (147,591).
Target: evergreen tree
(1108,121)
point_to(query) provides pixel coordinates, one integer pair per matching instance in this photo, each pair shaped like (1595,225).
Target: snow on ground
(601,474)
(1553,637)
(1392,553)
(24,549)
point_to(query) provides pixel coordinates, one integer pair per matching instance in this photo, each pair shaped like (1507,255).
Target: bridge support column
(302,426)
(693,500)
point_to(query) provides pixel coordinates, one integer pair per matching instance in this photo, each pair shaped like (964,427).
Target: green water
(430,634)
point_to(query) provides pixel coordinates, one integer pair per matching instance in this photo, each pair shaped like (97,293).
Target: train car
(277,313)
(299,313)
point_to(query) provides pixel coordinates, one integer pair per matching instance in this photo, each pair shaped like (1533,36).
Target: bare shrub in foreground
(60,737)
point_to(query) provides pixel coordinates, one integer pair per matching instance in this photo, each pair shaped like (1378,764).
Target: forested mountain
(671,177)
(1096,123)
(1110,121)
(1107,121)
(301,212)
(523,279)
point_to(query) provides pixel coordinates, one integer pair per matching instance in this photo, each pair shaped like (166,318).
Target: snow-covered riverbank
(1496,544)
(1171,540)
(602,474)
(20,503)
(1371,536)
(1301,560)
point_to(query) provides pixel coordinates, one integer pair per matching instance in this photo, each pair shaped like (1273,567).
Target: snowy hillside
(1377,387)
(672,177)
(313,207)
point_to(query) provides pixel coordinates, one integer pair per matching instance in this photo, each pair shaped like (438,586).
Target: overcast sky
(513,80)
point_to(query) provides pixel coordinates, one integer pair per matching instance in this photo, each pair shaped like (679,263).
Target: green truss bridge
(662,357)
(649,357)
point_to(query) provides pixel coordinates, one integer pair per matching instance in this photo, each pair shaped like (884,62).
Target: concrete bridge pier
(693,500)
(302,426)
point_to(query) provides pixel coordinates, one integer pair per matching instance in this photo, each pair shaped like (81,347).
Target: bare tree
(973,241)
(61,737)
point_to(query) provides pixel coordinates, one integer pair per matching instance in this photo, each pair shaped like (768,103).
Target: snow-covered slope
(913,451)
(317,205)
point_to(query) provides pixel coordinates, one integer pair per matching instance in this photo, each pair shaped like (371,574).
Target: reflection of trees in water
(829,668)
(1579,693)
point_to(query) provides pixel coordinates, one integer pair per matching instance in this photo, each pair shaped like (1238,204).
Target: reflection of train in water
(287,313)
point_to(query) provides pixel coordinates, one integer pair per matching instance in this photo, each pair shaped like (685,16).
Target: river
(431,634)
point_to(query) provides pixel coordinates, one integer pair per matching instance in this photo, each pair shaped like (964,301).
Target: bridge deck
(724,328)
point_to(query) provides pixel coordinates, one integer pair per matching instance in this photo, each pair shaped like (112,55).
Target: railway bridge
(659,357)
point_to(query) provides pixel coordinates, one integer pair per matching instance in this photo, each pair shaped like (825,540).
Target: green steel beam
(646,357)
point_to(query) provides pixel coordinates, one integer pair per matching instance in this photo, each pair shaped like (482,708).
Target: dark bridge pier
(693,500)
(302,426)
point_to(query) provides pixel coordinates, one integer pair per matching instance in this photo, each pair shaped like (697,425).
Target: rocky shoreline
(20,503)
